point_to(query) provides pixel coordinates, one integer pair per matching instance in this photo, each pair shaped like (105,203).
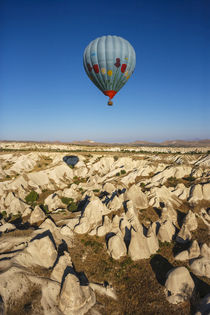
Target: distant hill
(143,143)
(193,143)
(168,143)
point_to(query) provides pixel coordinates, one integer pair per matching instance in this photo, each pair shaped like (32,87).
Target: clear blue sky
(45,93)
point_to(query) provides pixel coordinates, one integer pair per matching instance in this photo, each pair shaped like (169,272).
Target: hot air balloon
(109,62)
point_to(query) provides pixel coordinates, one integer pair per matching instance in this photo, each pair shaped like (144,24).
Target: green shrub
(118,174)
(122,172)
(172,181)
(142,185)
(72,207)
(96,246)
(116,158)
(66,200)
(45,208)
(4,214)
(32,197)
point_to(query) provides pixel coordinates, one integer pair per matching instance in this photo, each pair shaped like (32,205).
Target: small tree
(32,197)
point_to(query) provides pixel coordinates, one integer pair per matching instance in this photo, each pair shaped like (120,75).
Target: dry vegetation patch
(135,283)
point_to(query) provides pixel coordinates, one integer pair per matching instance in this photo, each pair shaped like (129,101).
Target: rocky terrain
(122,232)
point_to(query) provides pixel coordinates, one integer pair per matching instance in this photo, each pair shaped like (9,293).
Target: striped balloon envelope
(109,62)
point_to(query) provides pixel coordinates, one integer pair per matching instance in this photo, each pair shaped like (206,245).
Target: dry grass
(42,163)
(28,304)
(136,284)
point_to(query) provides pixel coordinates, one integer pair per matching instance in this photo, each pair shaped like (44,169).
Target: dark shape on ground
(179,247)
(180,217)
(71,160)
(161,267)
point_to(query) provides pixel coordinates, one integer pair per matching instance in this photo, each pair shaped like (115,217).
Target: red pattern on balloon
(123,67)
(117,63)
(96,68)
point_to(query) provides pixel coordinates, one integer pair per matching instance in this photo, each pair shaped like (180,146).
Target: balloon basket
(110,103)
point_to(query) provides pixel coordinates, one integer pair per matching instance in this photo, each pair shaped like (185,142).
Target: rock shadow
(82,279)
(108,236)
(19,224)
(202,287)
(158,211)
(82,204)
(179,247)
(127,237)
(180,217)
(62,247)
(161,266)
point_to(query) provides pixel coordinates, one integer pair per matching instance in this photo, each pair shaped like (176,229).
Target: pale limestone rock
(132,215)
(196,194)
(74,298)
(104,290)
(166,231)
(115,224)
(164,195)
(152,240)
(105,228)
(135,194)
(178,171)
(205,251)
(138,247)
(168,213)
(17,183)
(115,204)
(201,267)
(205,161)
(203,307)
(179,285)
(206,191)
(116,246)
(184,235)
(49,225)
(130,178)
(71,223)
(40,252)
(54,202)
(9,199)
(66,231)
(92,216)
(93,232)
(191,221)
(7,227)
(24,163)
(182,256)
(194,250)
(58,271)
(81,172)
(71,192)
(109,187)
(26,213)
(181,191)
(16,206)
(83,226)
(37,216)
(124,224)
